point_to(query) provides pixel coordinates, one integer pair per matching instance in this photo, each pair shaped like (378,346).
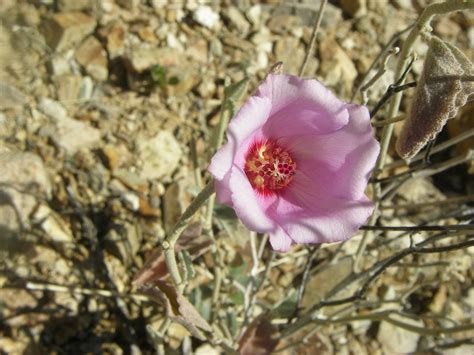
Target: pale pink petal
(249,206)
(280,240)
(251,117)
(301,106)
(339,225)
(339,161)
(222,160)
(223,193)
(319,218)
(253,114)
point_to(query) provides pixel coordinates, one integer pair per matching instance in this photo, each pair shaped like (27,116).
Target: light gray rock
(59,65)
(69,5)
(23,180)
(70,134)
(291,53)
(53,226)
(24,171)
(87,88)
(470,36)
(403,4)
(254,14)
(131,201)
(114,35)
(460,350)
(73,135)
(237,20)
(142,59)
(123,242)
(92,56)
(6,4)
(283,23)
(206,16)
(336,66)
(11,97)
(68,88)
(67,29)
(160,155)
(52,109)
(129,4)
(116,271)
(396,340)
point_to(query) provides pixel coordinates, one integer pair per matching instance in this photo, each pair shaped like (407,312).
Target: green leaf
(286,308)
(237,297)
(158,75)
(201,298)
(232,322)
(234,93)
(224,212)
(238,270)
(188,263)
(174,80)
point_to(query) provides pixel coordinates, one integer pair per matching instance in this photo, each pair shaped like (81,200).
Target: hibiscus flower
(296,163)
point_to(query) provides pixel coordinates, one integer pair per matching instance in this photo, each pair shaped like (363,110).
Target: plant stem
(379,57)
(256,287)
(423,172)
(458,227)
(82,291)
(411,206)
(381,123)
(385,316)
(313,37)
(374,273)
(170,241)
(421,25)
(437,148)
(304,280)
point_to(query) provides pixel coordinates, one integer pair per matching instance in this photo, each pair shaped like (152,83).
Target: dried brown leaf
(154,269)
(261,337)
(178,308)
(194,241)
(443,88)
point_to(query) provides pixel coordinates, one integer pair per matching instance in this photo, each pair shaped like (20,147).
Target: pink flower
(296,163)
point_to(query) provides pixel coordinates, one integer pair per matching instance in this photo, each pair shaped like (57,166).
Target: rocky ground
(106,113)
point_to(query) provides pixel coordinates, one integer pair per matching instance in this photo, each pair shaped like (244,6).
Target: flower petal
(280,240)
(250,118)
(340,225)
(253,114)
(340,161)
(309,218)
(249,206)
(222,161)
(301,106)
(223,193)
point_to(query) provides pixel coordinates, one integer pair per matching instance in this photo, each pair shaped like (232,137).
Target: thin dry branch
(313,36)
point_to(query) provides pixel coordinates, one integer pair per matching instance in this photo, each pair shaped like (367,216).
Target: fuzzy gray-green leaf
(443,88)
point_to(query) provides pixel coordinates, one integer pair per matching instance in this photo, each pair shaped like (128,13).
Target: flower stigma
(269,167)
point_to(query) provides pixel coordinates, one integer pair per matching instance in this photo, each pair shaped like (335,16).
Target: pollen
(269,167)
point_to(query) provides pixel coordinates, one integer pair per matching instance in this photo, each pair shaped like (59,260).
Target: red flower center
(269,167)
